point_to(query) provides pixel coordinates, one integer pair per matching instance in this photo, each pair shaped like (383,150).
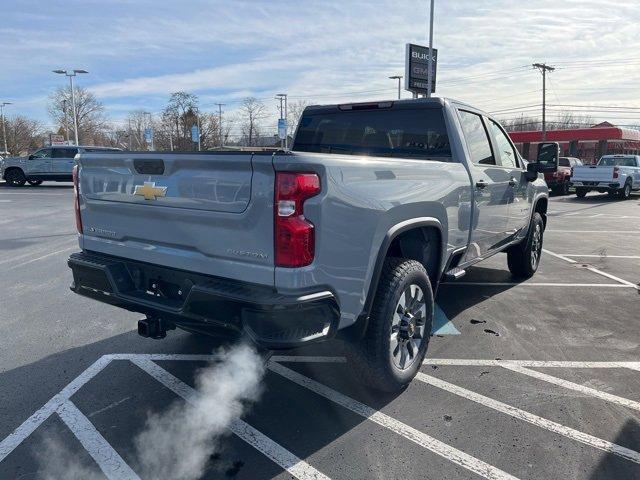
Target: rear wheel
(625,192)
(523,259)
(564,188)
(34,183)
(397,337)
(581,192)
(15,177)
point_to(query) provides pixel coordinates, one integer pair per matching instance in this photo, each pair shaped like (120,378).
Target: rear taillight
(616,172)
(76,199)
(294,234)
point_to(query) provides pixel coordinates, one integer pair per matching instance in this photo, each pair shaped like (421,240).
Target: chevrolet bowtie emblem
(149,191)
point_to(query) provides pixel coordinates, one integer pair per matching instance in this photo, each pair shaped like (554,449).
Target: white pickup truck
(613,174)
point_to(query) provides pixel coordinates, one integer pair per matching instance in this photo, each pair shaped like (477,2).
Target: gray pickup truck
(53,164)
(346,236)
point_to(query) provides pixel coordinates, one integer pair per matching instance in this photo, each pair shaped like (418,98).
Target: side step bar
(455,273)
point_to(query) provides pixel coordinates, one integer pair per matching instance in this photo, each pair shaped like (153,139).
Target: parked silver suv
(53,163)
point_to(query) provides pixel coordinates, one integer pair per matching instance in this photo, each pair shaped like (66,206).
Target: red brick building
(588,144)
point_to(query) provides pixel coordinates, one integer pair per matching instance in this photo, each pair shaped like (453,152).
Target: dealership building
(588,144)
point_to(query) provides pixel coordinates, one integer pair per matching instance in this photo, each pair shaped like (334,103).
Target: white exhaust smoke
(177,443)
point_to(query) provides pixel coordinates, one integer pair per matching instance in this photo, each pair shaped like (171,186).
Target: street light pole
(430,64)
(4,130)
(220,105)
(72,74)
(66,125)
(399,78)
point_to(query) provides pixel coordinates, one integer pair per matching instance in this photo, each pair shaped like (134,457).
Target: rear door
(210,213)
(492,192)
(507,157)
(39,162)
(63,160)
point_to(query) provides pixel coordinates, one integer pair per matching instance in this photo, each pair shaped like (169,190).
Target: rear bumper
(198,301)
(591,184)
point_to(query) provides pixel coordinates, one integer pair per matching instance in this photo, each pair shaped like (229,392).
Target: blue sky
(138,52)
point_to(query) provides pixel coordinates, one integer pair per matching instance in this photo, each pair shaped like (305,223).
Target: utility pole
(283,116)
(399,78)
(544,68)
(72,74)
(150,128)
(220,105)
(130,139)
(430,63)
(4,130)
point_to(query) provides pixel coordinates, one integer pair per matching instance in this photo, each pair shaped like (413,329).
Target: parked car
(613,174)
(346,236)
(560,180)
(53,163)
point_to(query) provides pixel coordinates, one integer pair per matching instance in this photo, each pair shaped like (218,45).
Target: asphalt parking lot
(539,379)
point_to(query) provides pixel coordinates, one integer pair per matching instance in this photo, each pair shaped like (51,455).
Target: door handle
(513,182)
(481,184)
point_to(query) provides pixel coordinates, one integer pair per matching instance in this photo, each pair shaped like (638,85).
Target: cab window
(64,152)
(43,153)
(477,139)
(506,153)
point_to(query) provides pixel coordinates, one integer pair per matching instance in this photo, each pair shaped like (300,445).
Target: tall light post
(66,125)
(4,130)
(430,62)
(399,78)
(150,128)
(72,74)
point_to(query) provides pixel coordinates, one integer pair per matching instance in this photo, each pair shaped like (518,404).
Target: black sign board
(416,78)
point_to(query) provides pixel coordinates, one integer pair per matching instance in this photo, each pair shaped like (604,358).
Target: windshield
(617,161)
(417,133)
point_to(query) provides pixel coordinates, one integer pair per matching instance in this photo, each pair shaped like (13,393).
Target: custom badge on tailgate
(149,191)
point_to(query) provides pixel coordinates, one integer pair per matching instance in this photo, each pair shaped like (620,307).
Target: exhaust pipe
(153,327)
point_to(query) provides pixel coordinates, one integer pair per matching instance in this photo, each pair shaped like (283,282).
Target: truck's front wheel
(523,259)
(396,340)
(15,177)
(581,192)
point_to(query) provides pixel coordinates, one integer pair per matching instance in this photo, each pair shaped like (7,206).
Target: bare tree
(294,114)
(252,113)
(89,111)
(180,114)
(23,134)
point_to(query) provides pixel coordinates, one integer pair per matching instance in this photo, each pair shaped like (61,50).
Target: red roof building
(588,144)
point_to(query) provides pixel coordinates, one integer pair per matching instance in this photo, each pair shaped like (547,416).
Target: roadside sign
(148,135)
(282,129)
(56,139)
(195,133)
(416,78)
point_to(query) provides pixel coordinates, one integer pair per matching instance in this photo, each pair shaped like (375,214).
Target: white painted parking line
(57,252)
(536,284)
(436,446)
(529,363)
(626,232)
(625,402)
(593,269)
(306,359)
(604,256)
(274,451)
(34,421)
(531,418)
(109,461)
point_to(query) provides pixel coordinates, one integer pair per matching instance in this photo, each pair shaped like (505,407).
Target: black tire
(523,259)
(625,192)
(15,177)
(581,192)
(372,358)
(564,188)
(34,183)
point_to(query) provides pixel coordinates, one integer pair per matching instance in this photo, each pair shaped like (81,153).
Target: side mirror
(532,172)
(547,159)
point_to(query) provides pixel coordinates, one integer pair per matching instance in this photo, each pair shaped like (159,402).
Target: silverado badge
(149,191)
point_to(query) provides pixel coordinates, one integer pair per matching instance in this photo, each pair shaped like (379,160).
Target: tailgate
(592,174)
(210,213)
